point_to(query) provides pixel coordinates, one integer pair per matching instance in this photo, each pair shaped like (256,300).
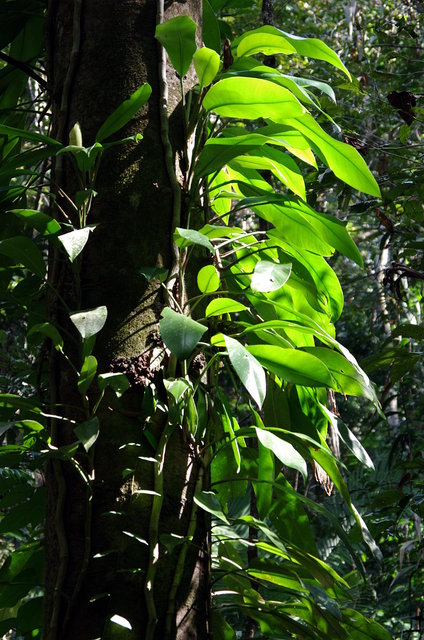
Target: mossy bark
(98,570)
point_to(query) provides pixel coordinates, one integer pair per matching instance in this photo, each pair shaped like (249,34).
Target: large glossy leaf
(360,628)
(292,366)
(280,164)
(208,501)
(208,279)
(283,450)
(329,291)
(218,151)
(123,114)
(186,237)
(89,322)
(180,333)
(178,37)
(248,369)
(301,226)
(251,98)
(75,241)
(269,276)
(206,63)
(270,40)
(43,223)
(345,162)
(348,378)
(23,250)
(220,306)
(116,381)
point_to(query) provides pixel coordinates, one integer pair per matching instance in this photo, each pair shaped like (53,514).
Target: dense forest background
(380,114)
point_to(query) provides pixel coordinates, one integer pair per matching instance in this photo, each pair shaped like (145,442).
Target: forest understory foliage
(307,442)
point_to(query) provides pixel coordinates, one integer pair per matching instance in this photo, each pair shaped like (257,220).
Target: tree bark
(99,535)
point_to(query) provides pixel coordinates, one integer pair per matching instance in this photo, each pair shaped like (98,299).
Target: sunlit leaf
(220,306)
(43,223)
(208,279)
(89,322)
(186,237)
(121,621)
(251,98)
(75,241)
(347,378)
(345,162)
(178,37)
(290,365)
(180,333)
(282,450)
(270,40)
(123,114)
(208,501)
(269,276)
(116,381)
(248,369)
(206,62)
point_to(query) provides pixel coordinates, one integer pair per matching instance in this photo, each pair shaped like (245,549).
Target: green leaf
(206,62)
(348,377)
(210,27)
(87,432)
(75,241)
(87,374)
(269,276)
(251,98)
(208,501)
(180,333)
(186,237)
(248,370)
(345,162)
(360,628)
(290,365)
(353,444)
(32,136)
(208,279)
(220,306)
(89,322)
(221,630)
(47,329)
(24,251)
(217,152)
(161,273)
(44,224)
(282,450)
(270,40)
(178,37)
(280,164)
(116,381)
(123,114)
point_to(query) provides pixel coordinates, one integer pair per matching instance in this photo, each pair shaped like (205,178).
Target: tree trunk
(101,537)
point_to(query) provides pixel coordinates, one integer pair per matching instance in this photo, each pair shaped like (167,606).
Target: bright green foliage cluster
(271,303)
(269,300)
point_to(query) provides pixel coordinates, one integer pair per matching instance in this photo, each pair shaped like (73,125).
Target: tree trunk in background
(96,552)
